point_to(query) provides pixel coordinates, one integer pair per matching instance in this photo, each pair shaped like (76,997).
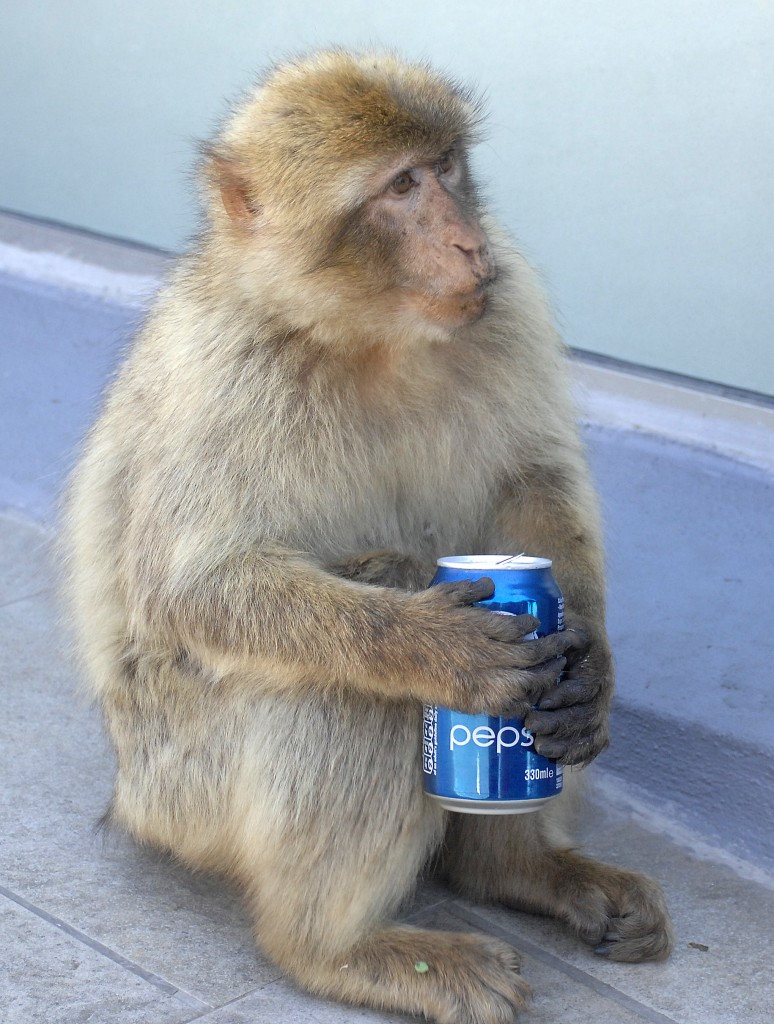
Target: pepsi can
(485,764)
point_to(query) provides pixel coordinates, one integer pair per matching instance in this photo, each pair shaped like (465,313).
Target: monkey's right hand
(477,661)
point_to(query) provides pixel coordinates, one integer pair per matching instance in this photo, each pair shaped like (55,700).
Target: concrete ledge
(736,424)
(62,257)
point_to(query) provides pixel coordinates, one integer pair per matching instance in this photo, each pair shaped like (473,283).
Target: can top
(492,562)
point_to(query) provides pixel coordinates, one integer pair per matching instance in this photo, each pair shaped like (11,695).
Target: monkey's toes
(621,914)
(484,985)
(624,941)
(637,925)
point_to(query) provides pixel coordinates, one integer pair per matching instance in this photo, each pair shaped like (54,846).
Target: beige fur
(288,448)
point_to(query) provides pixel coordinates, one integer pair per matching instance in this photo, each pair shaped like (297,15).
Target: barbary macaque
(353,373)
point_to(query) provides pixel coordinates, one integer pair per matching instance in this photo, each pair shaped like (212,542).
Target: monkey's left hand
(570,722)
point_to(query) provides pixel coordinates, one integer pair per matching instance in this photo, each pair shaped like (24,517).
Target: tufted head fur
(313,135)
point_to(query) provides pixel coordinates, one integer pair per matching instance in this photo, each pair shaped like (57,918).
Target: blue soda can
(484,764)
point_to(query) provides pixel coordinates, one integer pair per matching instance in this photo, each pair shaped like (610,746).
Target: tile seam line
(110,954)
(601,988)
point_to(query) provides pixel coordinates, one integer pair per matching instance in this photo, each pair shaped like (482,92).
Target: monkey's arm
(277,619)
(385,568)
(552,512)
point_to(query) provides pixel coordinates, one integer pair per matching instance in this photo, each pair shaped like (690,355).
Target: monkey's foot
(621,913)
(447,977)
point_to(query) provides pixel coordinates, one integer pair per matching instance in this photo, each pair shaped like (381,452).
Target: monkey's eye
(446,162)
(402,183)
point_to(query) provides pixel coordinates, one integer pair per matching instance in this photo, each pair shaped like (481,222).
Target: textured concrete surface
(689,540)
(93,929)
(59,348)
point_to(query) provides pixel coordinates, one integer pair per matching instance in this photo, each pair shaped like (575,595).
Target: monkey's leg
(519,860)
(469,979)
(447,977)
(331,856)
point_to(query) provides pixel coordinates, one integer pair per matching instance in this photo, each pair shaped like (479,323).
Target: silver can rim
(492,563)
(463,805)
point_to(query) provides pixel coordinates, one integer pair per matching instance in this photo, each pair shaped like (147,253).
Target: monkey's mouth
(474,307)
(474,301)
(454,307)
(482,288)
(457,309)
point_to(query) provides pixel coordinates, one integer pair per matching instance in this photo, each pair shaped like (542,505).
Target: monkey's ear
(234,190)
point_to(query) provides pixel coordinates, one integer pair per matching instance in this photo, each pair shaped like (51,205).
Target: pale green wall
(630,148)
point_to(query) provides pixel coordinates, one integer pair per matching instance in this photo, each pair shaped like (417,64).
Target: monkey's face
(427,242)
(342,186)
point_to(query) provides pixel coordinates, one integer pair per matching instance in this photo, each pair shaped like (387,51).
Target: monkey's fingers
(574,735)
(535,680)
(581,644)
(569,691)
(583,751)
(507,628)
(527,653)
(512,692)
(564,723)
(462,592)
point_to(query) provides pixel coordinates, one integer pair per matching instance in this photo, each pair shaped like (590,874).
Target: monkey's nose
(479,258)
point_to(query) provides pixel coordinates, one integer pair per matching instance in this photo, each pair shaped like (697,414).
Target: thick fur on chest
(413,481)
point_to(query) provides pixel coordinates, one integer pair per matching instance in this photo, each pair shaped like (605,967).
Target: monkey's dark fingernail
(602,950)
